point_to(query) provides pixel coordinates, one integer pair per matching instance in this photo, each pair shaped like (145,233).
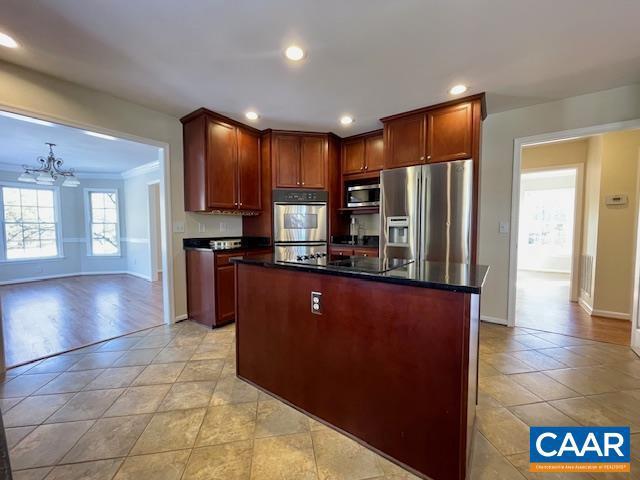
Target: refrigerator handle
(420,211)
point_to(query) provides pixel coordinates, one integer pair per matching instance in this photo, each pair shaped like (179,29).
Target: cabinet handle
(422,157)
(366,167)
(428,157)
(240,203)
(303,183)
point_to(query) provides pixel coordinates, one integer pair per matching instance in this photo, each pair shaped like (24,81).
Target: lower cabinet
(211,297)
(348,251)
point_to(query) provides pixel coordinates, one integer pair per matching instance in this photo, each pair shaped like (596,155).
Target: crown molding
(141,170)
(133,172)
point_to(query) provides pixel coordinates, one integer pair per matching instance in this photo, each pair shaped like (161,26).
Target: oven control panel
(300,196)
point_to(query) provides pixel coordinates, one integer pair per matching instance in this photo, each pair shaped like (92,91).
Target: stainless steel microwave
(363,195)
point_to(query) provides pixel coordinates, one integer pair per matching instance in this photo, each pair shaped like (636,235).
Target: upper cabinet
(434,134)
(221,164)
(362,154)
(299,160)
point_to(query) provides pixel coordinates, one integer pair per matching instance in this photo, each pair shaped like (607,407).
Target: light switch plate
(178,227)
(316,303)
(504,227)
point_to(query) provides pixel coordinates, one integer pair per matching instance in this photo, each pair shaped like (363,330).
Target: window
(103,220)
(30,223)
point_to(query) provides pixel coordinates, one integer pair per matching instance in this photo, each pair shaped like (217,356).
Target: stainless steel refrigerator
(426,212)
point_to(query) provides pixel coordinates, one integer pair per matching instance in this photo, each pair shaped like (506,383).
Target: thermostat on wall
(616,199)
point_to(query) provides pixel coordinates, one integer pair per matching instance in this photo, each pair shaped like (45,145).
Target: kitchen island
(388,355)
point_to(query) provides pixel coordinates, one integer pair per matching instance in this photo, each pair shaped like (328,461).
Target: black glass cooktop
(367,264)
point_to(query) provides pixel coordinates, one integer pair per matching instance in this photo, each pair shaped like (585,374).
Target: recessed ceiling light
(99,135)
(346,120)
(7,41)
(251,115)
(24,118)
(458,89)
(294,53)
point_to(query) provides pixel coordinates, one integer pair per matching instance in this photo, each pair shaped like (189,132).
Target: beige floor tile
(119,344)
(152,341)
(626,404)
(156,466)
(619,380)
(581,381)
(92,361)
(506,363)
(56,364)
(507,391)
(31,474)
(277,418)
(569,358)
(230,461)
(174,354)
(545,387)
(227,423)
(631,368)
(211,351)
(340,457)
(14,435)
(98,470)
(25,384)
(86,405)
(34,410)
(202,370)
(635,445)
(294,454)
(47,444)
(486,370)
(187,395)
(504,430)
(69,382)
(562,340)
(136,400)
(315,425)
(603,354)
(393,471)
(186,341)
(7,403)
(108,438)
(542,414)
(230,389)
(503,344)
(488,464)
(532,341)
(588,412)
(521,462)
(173,430)
(538,360)
(118,377)
(137,357)
(487,401)
(159,373)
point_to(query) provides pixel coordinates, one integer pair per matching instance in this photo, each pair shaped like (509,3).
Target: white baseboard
(140,275)
(184,316)
(74,274)
(610,314)
(585,306)
(496,320)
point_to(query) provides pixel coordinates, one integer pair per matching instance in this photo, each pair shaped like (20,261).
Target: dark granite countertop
(456,277)
(246,243)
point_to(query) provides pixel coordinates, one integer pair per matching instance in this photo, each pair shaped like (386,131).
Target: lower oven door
(299,222)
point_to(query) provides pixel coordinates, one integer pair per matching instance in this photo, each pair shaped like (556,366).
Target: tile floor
(165,404)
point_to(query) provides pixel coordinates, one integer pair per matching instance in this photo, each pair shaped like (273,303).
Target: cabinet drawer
(366,251)
(341,251)
(222,259)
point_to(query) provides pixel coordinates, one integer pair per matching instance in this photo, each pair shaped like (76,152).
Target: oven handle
(319,204)
(355,188)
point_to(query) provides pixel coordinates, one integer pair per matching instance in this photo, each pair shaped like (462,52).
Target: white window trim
(87,221)
(56,216)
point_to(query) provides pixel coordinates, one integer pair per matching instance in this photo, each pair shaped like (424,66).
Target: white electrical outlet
(504,227)
(223,227)
(178,227)
(201,227)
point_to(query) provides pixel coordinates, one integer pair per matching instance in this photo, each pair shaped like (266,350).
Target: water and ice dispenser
(398,231)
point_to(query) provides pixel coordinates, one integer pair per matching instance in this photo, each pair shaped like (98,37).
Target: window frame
(88,220)
(57,218)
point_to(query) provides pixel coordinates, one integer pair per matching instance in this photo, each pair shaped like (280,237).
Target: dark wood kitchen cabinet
(222,168)
(362,153)
(300,160)
(440,133)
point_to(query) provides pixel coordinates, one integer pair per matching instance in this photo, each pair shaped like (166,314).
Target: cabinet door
(341,251)
(449,133)
(249,171)
(313,162)
(200,285)
(353,157)
(222,165)
(287,160)
(404,141)
(225,295)
(373,153)
(366,252)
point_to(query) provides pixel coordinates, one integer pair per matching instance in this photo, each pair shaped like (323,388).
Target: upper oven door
(300,222)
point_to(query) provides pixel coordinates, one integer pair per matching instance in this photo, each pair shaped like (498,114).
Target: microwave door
(300,222)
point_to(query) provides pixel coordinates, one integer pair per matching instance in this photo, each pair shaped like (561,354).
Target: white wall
(499,132)
(74,246)
(74,104)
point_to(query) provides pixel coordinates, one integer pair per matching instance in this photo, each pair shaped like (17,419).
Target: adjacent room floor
(542,303)
(165,403)
(58,315)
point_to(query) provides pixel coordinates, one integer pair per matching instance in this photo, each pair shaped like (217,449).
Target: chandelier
(48,172)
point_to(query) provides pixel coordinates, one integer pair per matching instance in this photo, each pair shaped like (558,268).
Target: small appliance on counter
(363,195)
(300,225)
(225,244)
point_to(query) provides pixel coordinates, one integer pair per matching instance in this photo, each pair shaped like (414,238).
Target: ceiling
(368,58)
(23,142)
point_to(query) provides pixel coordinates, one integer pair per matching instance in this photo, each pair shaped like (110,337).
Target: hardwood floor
(52,316)
(542,303)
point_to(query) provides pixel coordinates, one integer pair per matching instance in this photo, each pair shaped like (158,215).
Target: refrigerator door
(400,212)
(446,212)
